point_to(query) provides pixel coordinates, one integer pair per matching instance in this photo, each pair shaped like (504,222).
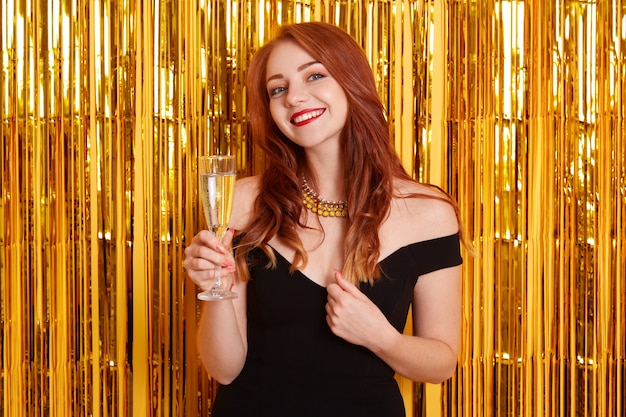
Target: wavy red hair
(371,162)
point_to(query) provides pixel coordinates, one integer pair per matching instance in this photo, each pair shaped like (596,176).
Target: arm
(222,335)
(430,355)
(221,340)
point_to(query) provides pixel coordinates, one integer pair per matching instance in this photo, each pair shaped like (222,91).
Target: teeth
(306,116)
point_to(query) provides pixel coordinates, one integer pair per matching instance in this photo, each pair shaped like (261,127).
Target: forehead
(285,55)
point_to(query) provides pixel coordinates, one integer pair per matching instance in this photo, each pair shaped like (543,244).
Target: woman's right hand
(222,343)
(204,254)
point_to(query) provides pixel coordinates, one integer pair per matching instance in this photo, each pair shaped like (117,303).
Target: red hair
(371,162)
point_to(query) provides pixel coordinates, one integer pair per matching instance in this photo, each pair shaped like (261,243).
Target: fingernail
(228,262)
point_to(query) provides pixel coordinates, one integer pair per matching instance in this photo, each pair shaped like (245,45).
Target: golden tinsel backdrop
(515,107)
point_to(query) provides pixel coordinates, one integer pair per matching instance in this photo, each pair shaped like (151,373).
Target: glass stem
(217,285)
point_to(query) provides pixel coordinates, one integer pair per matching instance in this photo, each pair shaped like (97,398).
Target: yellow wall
(516,107)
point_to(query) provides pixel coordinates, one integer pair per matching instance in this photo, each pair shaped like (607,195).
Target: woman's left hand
(352,316)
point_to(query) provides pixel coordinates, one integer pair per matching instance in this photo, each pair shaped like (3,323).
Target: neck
(327,178)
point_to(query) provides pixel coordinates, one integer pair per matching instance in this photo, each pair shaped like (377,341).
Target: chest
(324,247)
(281,298)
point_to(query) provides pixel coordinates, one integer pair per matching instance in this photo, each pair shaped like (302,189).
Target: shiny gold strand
(106,104)
(95,212)
(544,316)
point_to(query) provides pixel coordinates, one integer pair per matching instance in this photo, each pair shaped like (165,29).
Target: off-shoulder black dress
(296,367)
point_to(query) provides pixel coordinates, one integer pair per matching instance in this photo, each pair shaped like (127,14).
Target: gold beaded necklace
(322,207)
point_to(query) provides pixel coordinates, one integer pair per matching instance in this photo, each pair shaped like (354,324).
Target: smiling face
(306,102)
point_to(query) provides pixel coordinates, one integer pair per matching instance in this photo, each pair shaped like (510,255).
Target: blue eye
(276,90)
(316,76)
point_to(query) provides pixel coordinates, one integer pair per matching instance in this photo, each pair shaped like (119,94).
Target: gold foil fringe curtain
(536,100)
(105,106)
(516,107)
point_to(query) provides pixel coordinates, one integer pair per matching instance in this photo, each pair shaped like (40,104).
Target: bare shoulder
(246,192)
(422,212)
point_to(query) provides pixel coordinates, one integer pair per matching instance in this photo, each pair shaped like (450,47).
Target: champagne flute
(216,176)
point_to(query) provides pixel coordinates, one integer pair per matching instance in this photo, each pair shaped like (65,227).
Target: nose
(296,94)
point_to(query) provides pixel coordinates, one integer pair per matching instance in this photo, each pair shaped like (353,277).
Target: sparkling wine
(216,175)
(217,192)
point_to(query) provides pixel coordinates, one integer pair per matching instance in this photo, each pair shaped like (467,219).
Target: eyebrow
(300,68)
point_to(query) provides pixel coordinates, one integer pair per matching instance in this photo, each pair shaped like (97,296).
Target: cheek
(280,119)
(275,112)
(339,100)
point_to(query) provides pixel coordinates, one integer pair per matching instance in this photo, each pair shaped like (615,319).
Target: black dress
(296,367)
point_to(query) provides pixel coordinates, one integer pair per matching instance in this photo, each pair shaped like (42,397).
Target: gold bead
(319,206)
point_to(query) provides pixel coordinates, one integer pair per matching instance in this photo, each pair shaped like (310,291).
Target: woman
(325,283)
